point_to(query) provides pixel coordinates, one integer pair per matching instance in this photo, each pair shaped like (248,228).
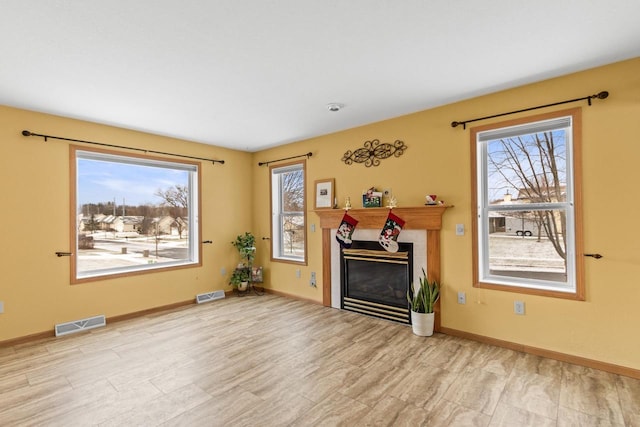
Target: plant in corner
(245,244)
(421,302)
(240,278)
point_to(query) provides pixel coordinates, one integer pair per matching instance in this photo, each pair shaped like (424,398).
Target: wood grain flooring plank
(629,393)
(424,388)
(221,410)
(450,414)
(54,407)
(13,382)
(393,412)
(477,389)
(594,395)
(509,416)
(29,394)
(158,409)
(535,393)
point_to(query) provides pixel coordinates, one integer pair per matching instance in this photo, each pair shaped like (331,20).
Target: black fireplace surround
(375,282)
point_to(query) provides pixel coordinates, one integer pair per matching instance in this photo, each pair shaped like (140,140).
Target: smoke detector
(333,107)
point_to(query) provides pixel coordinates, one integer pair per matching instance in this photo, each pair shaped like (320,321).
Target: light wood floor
(272,361)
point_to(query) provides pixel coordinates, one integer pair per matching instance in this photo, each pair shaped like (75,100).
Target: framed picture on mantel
(324,193)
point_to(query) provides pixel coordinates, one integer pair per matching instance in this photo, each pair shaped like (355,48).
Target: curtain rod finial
(26,133)
(603,95)
(454,124)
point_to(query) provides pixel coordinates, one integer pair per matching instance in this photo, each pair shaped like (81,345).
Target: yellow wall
(34,283)
(604,327)
(35,190)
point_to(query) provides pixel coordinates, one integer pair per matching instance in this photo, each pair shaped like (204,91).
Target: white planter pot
(422,323)
(243,286)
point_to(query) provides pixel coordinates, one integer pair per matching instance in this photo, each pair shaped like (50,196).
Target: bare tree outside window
(148,232)
(533,166)
(292,206)
(176,199)
(527,211)
(288,208)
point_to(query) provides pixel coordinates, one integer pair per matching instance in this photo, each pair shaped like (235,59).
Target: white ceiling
(252,74)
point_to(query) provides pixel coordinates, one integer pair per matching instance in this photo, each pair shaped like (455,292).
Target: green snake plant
(423,300)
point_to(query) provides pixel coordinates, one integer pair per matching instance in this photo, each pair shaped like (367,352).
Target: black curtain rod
(46,137)
(309,154)
(601,95)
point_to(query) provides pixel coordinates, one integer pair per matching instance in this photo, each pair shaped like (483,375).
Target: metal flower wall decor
(373,152)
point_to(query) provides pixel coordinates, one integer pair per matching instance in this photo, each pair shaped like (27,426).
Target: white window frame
(193,229)
(278,252)
(573,288)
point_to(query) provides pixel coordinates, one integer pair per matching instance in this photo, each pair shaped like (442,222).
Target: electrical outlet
(459,229)
(312,281)
(223,271)
(298,273)
(1,306)
(518,307)
(462,298)
(313,228)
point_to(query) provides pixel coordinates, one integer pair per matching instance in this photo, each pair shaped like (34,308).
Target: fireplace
(375,282)
(425,221)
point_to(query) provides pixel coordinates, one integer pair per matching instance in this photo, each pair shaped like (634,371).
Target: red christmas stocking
(343,235)
(389,236)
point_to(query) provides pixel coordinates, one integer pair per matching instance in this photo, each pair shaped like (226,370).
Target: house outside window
(528,229)
(288,213)
(132,214)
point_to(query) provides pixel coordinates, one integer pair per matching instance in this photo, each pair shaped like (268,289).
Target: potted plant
(421,302)
(245,244)
(240,278)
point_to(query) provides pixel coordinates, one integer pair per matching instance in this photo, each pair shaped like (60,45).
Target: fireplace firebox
(375,282)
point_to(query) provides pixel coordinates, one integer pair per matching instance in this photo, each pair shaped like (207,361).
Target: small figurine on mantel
(431,200)
(347,203)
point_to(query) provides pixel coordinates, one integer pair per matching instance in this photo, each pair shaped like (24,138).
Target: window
(288,213)
(132,214)
(527,237)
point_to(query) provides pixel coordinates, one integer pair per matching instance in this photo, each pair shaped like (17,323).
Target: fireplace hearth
(375,282)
